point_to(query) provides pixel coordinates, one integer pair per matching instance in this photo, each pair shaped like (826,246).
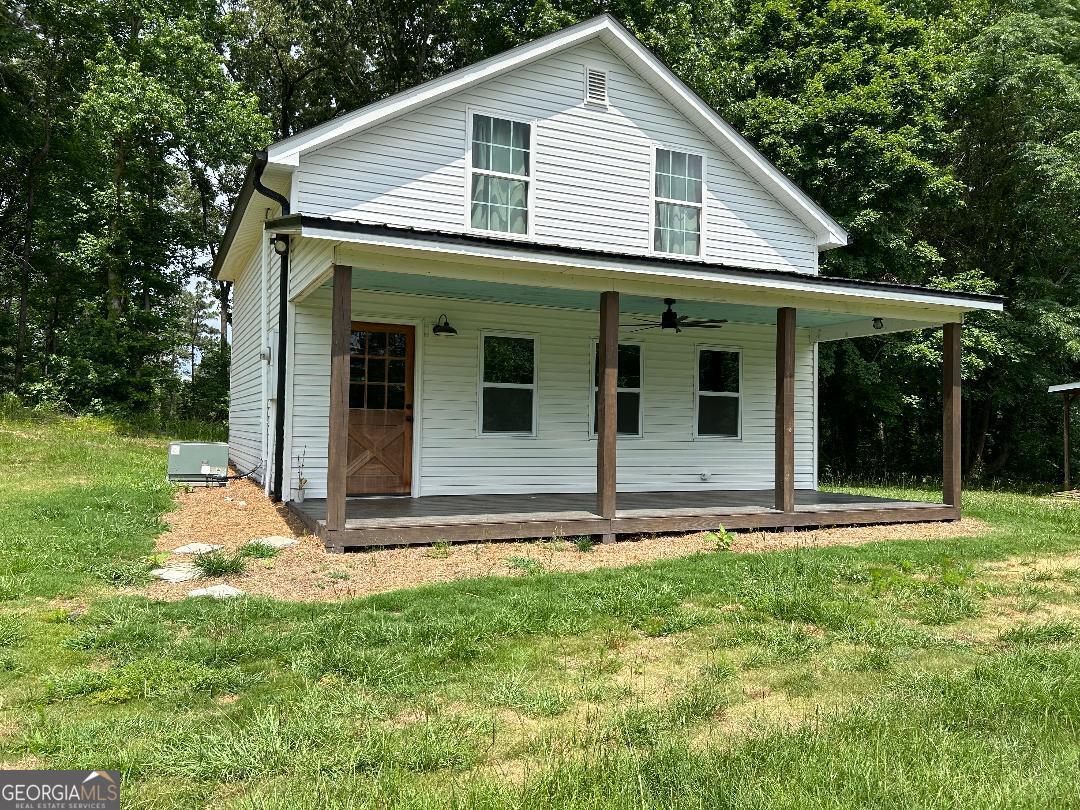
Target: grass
(219,564)
(900,674)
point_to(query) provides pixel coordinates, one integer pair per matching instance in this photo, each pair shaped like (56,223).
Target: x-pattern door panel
(380,409)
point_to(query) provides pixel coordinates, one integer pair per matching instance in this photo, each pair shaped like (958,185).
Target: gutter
(255,171)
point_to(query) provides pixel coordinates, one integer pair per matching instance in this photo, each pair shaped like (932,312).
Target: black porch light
(442,327)
(878,323)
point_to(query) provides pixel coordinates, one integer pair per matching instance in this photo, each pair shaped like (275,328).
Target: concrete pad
(176,573)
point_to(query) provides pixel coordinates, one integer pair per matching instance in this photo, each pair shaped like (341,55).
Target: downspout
(259,162)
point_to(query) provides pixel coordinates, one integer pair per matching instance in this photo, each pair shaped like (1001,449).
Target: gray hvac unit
(198,463)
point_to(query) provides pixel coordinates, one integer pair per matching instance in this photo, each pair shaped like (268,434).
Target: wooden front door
(380,409)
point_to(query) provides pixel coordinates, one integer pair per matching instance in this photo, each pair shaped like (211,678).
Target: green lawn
(900,674)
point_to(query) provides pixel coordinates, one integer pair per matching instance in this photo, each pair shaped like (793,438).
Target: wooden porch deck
(458,518)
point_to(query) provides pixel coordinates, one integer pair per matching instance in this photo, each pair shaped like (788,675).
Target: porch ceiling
(466,290)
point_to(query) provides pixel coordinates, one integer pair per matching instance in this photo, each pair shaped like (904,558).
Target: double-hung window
(508,384)
(627,389)
(678,210)
(718,393)
(500,171)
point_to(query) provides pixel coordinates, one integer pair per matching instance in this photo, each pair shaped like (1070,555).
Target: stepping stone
(277,541)
(196,548)
(176,573)
(217,591)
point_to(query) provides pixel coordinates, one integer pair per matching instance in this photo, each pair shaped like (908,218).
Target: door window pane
(377,381)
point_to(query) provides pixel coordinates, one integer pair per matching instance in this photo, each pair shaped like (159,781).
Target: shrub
(585,544)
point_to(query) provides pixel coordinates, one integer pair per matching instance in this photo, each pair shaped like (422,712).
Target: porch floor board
(402,520)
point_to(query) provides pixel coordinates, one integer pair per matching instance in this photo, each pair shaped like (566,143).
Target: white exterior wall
(455,459)
(592,168)
(245,375)
(251,381)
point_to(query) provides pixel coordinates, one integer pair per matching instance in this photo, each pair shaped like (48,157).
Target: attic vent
(595,86)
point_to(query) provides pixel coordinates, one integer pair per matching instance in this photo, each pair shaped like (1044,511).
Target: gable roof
(284,155)
(828,232)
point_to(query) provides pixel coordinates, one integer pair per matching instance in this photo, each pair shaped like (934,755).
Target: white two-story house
(553,292)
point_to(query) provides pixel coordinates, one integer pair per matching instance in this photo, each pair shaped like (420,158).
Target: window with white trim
(500,163)
(627,389)
(678,209)
(508,384)
(719,399)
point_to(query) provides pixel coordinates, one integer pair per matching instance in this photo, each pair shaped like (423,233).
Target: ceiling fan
(670,319)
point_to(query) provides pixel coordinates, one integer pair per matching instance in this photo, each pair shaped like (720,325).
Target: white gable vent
(595,86)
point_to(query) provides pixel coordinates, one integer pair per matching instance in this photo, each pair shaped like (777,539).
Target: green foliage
(258,550)
(720,540)
(219,564)
(944,137)
(584,544)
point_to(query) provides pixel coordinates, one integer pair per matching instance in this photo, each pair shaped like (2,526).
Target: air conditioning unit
(198,463)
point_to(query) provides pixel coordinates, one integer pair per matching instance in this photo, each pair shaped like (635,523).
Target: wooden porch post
(784,482)
(950,433)
(338,446)
(1066,397)
(606,409)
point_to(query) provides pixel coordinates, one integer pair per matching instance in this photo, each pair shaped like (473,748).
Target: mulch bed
(234,515)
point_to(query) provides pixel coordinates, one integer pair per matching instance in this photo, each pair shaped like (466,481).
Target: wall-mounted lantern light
(878,323)
(281,245)
(442,327)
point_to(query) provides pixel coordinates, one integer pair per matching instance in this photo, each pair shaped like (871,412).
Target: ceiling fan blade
(705,324)
(639,328)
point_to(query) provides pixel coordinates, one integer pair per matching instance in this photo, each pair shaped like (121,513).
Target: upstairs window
(508,385)
(718,393)
(627,389)
(678,208)
(500,175)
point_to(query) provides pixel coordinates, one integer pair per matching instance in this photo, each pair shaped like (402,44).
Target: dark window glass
(377,343)
(508,410)
(356,369)
(358,343)
(718,416)
(508,360)
(376,397)
(376,370)
(398,343)
(395,397)
(627,421)
(356,396)
(629,374)
(718,371)
(397,371)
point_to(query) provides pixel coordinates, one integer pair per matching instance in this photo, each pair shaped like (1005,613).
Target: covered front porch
(392,521)
(572,470)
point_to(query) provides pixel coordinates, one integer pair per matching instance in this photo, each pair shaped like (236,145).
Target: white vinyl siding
(245,374)
(561,457)
(592,168)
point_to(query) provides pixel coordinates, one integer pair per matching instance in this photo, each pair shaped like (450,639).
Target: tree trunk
(223,314)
